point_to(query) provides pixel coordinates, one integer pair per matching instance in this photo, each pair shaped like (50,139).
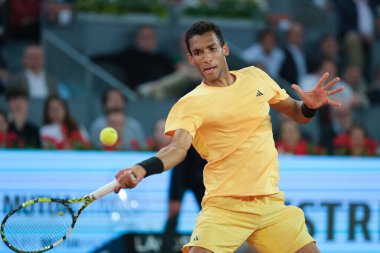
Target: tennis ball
(108,136)
(60,213)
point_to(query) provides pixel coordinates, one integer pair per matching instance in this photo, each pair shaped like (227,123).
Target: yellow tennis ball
(60,213)
(108,136)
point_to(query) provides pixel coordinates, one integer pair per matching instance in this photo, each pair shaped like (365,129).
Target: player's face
(208,56)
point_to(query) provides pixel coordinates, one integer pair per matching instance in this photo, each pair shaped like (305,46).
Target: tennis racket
(41,224)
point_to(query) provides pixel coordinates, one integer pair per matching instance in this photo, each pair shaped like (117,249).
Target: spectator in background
(4,74)
(113,99)
(142,62)
(354,143)
(117,119)
(265,52)
(356,30)
(21,133)
(333,122)
(3,129)
(317,68)
(329,50)
(60,130)
(158,140)
(24,20)
(346,96)
(352,75)
(373,93)
(34,79)
(293,67)
(175,84)
(290,140)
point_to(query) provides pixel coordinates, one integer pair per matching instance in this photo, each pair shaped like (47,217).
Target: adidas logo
(196,238)
(258,94)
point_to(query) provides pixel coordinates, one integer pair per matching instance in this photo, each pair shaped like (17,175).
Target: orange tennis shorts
(269,226)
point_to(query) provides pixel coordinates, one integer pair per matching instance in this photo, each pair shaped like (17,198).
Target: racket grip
(105,189)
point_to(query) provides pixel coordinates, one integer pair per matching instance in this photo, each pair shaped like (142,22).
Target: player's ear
(190,59)
(226,49)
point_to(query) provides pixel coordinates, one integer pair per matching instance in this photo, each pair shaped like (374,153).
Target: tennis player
(227,120)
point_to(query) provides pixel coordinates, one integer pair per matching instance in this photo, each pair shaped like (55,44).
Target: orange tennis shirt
(232,130)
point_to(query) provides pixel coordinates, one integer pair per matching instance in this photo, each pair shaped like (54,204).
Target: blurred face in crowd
(209,57)
(357,137)
(290,132)
(295,35)
(329,48)
(146,39)
(115,100)
(3,123)
(116,119)
(330,67)
(353,76)
(56,111)
(343,116)
(18,107)
(268,42)
(33,58)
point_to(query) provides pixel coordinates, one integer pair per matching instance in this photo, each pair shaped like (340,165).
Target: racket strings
(38,226)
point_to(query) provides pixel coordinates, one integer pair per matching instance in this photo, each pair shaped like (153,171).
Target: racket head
(37,225)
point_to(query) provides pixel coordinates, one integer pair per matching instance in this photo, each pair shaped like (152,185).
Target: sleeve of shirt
(183,115)
(278,94)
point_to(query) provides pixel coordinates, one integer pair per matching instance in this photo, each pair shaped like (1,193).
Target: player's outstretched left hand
(320,94)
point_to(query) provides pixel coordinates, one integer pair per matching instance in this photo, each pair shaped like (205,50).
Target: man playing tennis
(227,120)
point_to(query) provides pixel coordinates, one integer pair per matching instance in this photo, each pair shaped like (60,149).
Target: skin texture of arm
(170,156)
(292,109)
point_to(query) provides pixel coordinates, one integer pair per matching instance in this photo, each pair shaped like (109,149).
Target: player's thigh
(199,250)
(286,232)
(218,229)
(309,248)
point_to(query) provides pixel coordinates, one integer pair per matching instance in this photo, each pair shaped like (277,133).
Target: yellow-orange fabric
(232,130)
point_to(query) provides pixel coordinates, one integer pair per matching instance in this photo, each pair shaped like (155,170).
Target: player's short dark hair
(16,93)
(200,28)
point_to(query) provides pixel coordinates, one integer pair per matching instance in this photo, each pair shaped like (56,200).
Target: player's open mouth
(209,70)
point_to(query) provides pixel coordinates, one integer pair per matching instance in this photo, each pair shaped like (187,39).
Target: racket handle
(105,189)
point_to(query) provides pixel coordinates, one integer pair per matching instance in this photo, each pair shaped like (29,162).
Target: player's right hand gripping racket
(41,224)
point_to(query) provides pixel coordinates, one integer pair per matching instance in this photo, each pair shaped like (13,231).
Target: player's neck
(223,81)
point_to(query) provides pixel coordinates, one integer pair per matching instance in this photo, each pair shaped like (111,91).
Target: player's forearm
(168,156)
(172,155)
(296,113)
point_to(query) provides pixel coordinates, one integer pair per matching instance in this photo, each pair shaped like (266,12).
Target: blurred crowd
(279,49)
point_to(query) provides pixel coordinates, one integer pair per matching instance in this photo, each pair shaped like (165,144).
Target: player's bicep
(182,139)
